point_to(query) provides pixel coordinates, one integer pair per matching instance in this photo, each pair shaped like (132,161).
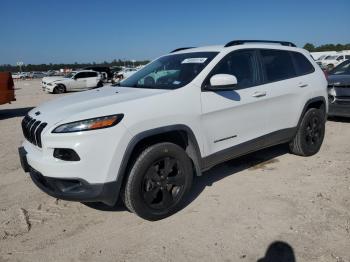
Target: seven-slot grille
(32,130)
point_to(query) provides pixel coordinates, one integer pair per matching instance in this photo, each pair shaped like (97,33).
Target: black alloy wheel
(158,181)
(163,183)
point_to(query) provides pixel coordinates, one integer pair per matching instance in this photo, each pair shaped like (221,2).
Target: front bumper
(336,109)
(71,189)
(339,101)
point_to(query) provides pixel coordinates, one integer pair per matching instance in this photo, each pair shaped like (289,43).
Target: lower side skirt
(275,138)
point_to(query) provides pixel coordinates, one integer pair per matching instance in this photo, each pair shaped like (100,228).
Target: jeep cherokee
(145,138)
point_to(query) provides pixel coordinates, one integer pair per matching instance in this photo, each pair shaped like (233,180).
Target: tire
(158,181)
(99,84)
(59,89)
(310,134)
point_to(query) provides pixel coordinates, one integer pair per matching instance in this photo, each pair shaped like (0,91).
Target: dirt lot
(235,211)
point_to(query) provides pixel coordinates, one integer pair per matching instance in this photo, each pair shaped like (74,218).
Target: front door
(230,118)
(80,82)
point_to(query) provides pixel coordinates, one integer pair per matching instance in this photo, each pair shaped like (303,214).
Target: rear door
(91,79)
(286,85)
(230,118)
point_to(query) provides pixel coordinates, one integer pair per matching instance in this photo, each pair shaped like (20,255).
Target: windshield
(70,75)
(170,72)
(342,69)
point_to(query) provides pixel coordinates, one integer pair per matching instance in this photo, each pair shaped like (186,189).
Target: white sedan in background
(74,81)
(125,73)
(332,61)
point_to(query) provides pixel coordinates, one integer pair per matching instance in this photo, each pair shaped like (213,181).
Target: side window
(80,75)
(241,65)
(91,74)
(347,57)
(278,65)
(340,58)
(303,65)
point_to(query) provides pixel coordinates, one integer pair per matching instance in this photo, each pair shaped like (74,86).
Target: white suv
(74,81)
(185,112)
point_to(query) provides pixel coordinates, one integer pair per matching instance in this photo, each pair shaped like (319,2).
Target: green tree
(309,47)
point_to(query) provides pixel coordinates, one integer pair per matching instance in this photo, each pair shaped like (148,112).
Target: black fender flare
(308,103)
(192,150)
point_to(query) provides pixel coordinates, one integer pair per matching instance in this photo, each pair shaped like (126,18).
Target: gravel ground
(269,200)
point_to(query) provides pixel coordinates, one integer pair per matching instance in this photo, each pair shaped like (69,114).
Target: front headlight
(49,84)
(89,124)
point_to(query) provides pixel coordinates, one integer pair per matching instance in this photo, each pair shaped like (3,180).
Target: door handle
(259,94)
(301,85)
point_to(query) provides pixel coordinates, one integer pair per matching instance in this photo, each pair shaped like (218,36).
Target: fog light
(331,99)
(66,154)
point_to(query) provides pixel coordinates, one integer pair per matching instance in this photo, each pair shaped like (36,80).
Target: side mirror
(222,82)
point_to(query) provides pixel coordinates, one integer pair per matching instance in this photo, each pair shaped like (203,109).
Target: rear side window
(278,65)
(303,65)
(80,75)
(91,74)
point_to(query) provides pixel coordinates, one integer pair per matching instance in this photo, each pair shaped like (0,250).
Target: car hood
(50,79)
(339,80)
(97,102)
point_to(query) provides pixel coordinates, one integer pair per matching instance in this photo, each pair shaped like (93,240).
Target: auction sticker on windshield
(197,60)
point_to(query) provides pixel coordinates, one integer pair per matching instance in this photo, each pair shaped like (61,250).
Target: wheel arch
(61,84)
(181,135)
(316,102)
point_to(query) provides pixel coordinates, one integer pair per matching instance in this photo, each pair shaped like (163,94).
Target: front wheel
(59,89)
(310,134)
(99,84)
(158,181)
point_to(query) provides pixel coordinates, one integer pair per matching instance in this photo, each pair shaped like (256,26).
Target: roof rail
(241,42)
(182,48)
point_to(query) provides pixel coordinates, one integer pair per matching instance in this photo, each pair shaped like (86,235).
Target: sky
(63,31)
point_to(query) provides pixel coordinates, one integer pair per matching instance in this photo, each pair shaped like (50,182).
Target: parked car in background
(105,72)
(125,73)
(74,81)
(21,75)
(332,61)
(36,75)
(321,59)
(16,76)
(182,114)
(7,90)
(319,55)
(339,90)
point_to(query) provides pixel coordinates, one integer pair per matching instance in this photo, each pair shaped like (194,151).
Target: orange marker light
(103,123)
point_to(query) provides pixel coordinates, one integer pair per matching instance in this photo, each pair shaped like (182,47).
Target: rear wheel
(158,181)
(59,89)
(310,134)
(100,84)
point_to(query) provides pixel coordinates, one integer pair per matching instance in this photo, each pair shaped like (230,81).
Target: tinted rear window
(303,65)
(278,65)
(90,74)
